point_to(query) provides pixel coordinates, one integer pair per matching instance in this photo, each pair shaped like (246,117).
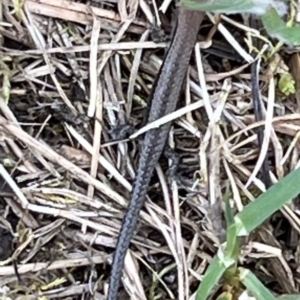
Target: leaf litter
(71,73)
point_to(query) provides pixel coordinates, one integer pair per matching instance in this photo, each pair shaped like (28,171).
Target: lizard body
(165,96)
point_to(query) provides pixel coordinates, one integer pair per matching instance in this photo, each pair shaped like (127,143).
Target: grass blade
(255,286)
(211,278)
(256,212)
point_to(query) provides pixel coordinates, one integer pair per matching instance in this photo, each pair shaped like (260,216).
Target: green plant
(225,263)
(270,12)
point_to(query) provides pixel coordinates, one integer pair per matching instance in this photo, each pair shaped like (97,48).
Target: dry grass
(72,71)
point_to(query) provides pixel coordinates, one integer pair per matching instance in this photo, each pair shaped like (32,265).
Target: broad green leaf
(277,28)
(256,212)
(223,6)
(257,7)
(255,286)
(289,297)
(270,15)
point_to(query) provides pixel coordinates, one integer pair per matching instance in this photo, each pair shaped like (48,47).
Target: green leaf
(271,19)
(223,6)
(289,297)
(232,246)
(256,212)
(255,286)
(233,243)
(277,28)
(212,276)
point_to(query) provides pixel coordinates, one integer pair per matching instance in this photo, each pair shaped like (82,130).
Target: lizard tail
(147,164)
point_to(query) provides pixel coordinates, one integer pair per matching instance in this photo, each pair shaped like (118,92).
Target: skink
(165,95)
